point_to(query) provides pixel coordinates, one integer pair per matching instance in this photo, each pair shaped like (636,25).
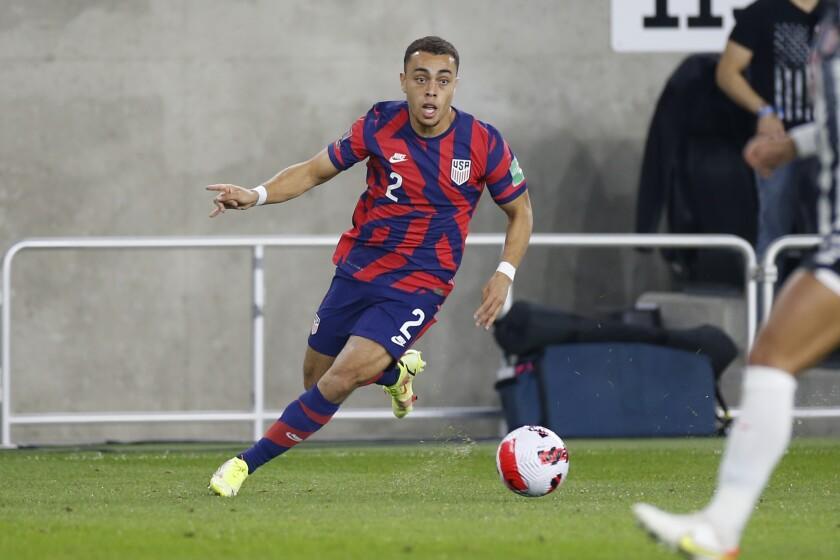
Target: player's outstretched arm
(286,185)
(494,293)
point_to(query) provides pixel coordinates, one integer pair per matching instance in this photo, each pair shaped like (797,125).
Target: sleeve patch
(516,174)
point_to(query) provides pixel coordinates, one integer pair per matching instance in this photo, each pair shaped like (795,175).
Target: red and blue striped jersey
(410,225)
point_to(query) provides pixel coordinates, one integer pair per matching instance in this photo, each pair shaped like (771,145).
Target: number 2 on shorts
(406,336)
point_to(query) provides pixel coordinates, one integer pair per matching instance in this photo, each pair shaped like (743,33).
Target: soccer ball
(532,461)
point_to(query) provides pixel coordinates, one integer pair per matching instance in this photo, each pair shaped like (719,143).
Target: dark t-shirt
(779,34)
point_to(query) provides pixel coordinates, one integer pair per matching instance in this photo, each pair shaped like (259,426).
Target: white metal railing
(771,272)
(258,415)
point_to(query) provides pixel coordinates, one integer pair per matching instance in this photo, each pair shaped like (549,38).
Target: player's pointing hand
(231,196)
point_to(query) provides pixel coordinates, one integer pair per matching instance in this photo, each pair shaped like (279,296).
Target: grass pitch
(397,501)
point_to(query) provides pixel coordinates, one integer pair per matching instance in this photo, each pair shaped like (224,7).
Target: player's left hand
(493,296)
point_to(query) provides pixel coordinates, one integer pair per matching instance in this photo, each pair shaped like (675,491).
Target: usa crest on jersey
(460,172)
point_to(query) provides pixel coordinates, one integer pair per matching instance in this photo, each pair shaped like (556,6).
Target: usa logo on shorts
(460,172)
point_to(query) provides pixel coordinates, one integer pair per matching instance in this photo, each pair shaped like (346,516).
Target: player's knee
(336,386)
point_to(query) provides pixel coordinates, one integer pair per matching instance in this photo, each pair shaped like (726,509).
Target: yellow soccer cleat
(228,478)
(402,395)
(689,546)
(690,535)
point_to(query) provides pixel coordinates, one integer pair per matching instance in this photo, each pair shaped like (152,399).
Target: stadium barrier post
(258,342)
(770,270)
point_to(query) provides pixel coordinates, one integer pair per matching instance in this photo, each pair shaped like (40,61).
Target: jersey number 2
(397,183)
(406,336)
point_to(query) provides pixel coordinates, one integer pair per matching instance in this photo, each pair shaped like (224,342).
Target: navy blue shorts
(391,317)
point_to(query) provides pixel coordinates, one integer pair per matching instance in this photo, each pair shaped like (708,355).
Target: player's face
(429,84)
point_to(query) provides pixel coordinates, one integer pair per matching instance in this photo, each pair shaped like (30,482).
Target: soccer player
(802,329)
(428,164)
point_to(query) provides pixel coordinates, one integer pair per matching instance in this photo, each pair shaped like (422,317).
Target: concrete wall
(114,115)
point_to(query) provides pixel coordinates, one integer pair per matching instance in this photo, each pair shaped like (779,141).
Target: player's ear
(402,82)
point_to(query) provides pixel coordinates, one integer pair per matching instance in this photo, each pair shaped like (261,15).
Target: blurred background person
(764,70)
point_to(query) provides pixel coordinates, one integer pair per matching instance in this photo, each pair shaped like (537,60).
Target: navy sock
(302,418)
(389,376)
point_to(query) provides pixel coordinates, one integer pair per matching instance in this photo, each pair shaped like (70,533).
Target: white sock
(758,440)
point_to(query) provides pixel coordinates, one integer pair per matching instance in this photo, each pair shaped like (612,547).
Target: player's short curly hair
(431,45)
